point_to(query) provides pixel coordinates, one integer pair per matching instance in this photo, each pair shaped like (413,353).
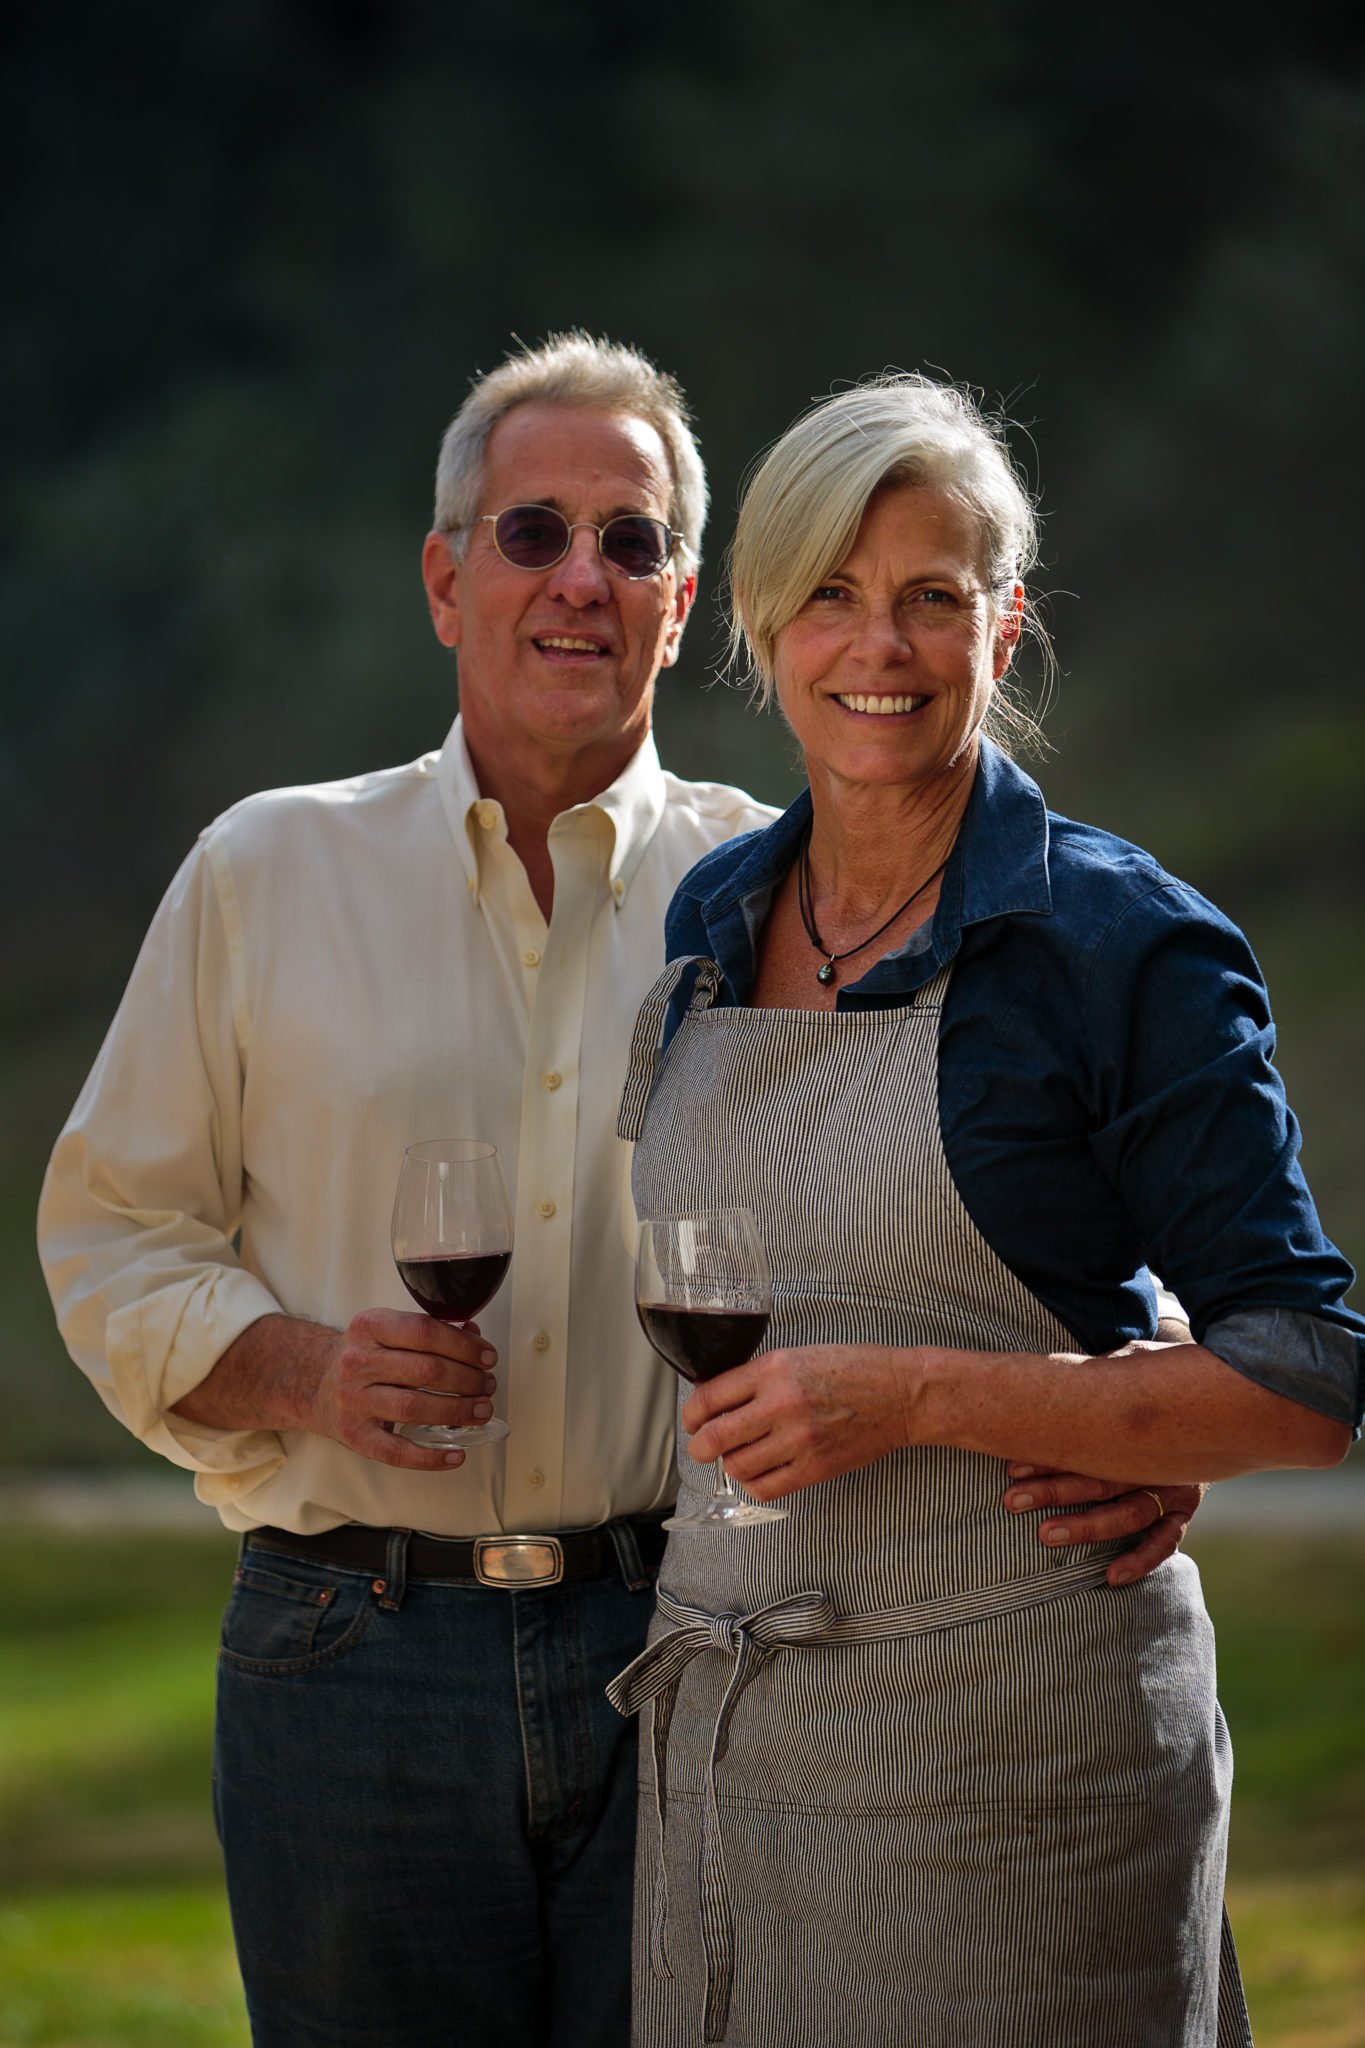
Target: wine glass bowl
(452,1245)
(703,1294)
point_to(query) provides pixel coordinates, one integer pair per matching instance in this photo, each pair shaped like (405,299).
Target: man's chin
(572,713)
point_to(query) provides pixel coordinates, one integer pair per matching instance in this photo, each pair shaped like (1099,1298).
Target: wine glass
(452,1245)
(703,1294)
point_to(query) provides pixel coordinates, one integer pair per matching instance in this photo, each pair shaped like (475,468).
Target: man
(426,1804)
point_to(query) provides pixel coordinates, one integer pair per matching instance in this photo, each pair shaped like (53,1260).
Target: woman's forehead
(907,528)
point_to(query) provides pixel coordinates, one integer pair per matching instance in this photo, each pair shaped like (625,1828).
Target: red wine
(454,1287)
(701,1342)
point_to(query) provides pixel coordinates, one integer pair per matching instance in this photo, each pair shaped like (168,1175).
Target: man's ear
(682,605)
(441,579)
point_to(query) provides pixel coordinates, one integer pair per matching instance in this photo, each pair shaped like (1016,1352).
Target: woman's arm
(788,1419)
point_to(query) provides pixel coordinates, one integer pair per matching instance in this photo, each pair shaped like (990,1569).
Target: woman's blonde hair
(800,512)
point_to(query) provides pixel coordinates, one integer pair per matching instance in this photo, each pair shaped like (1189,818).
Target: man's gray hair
(574,370)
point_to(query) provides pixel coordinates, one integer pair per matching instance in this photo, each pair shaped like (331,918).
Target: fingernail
(482,1410)
(488,1358)
(1023,1500)
(1123,1578)
(1055,1532)
(454,1457)
(1023,1471)
(490,1385)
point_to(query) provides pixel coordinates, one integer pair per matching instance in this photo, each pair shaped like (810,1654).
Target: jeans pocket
(289,1614)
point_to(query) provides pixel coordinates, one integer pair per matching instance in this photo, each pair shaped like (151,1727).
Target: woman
(977,1070)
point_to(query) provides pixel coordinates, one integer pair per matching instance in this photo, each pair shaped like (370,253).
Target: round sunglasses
(536,537)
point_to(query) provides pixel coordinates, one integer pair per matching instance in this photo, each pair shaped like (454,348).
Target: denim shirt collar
(998,868)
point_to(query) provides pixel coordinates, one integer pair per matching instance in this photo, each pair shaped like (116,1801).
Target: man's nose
(581,578)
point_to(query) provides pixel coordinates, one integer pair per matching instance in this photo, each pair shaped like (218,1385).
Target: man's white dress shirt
(335,973)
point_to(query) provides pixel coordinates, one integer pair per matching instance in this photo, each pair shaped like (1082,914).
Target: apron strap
(649,1031)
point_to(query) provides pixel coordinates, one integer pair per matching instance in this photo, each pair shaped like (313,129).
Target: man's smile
(571,646)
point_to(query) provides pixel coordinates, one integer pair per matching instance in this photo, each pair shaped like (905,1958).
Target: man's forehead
(553,454)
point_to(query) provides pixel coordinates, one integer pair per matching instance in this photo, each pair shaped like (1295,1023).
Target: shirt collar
(998,868)
(633,806)
(630,810)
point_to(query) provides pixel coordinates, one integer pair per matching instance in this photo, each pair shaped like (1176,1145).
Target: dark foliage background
(254,249)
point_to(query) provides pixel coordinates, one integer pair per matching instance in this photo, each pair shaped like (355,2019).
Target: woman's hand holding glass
(703,1293)
(798,1416)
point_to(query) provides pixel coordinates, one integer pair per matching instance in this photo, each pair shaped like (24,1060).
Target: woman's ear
(1008,629)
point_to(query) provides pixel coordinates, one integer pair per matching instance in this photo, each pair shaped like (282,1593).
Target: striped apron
(915,1780)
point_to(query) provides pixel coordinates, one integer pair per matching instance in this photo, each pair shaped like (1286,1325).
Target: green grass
(1289,1613)
(145,1968)
(1302,1944)
(113,1926)
(106,1703)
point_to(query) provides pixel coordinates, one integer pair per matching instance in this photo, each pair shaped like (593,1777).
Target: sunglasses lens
(637,546)
(531,536)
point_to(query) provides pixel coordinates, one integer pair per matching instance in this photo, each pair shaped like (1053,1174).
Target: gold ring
(1160,1509)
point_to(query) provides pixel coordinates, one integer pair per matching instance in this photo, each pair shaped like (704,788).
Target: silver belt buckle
(518,1560)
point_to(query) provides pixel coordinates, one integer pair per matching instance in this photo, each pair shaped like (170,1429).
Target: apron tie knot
(727,1633)
(656,1675)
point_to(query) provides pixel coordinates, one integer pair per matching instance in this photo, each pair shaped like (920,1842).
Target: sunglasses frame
(492,518)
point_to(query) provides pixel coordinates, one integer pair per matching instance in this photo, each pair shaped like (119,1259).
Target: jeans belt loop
(512,1561)
(622,1534)
(394,1583)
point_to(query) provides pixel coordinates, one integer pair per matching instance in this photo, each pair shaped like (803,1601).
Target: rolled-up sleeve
(1302,1356)
(1198,1138)
(144,1191)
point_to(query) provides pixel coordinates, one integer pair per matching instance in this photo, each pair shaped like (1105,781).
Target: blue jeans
(427,1810)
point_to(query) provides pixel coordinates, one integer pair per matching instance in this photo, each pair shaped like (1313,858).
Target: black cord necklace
(825,974)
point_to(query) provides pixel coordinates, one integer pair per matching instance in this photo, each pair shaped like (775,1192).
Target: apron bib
(914,1778)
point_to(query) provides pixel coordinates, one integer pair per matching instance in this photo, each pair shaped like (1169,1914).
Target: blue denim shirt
(1107,1099)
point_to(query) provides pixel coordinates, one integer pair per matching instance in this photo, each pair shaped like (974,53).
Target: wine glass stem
(725,1488)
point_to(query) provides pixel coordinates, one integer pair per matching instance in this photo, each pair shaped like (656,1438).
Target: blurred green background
(251,254)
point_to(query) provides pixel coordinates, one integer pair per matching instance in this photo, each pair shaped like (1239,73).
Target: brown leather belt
(505,1561)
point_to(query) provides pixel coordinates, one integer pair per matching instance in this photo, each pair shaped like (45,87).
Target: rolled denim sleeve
(1197,1136)
(1314,1362)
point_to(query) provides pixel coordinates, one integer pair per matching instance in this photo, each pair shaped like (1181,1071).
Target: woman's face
(885,672)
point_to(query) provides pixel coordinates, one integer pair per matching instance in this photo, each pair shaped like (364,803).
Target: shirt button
(618,890)
(536,1478)
(541,1341)
(487,815)
(530,958)
(551,1081)
(545,1209)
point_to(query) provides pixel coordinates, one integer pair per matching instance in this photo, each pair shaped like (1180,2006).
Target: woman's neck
(870,846)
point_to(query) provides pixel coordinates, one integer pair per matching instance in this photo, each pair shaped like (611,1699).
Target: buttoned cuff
(1292,1352)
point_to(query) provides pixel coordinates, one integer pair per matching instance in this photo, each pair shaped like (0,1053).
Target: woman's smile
(882,707)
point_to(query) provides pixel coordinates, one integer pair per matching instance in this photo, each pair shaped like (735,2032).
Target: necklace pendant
(825,975)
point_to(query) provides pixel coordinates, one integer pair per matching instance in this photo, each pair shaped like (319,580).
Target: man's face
(560,663)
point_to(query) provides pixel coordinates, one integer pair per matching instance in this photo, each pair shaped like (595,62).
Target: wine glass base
(725,1512)
(442,1436)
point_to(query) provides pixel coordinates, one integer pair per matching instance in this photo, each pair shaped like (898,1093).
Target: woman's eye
(826,592)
